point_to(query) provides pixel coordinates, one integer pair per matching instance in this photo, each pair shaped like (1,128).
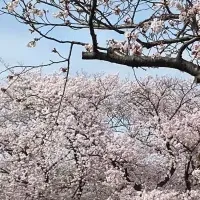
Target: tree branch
(168,176)
(185,45)
(144,61)
(187,175)
(149,45)
(92,33)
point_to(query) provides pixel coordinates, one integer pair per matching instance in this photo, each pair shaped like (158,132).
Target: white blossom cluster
(11,6)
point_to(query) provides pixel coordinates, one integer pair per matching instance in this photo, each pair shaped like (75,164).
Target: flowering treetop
(160,33)
(102,139)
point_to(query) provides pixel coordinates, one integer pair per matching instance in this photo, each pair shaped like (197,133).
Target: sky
(13,50)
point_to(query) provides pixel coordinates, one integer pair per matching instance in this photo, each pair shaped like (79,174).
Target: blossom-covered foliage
(102,139)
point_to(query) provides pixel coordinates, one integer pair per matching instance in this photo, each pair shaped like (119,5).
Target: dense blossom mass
(102,139)
(137,33)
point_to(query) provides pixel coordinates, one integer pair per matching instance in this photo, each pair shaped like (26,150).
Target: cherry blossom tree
(139,33)
(103,138)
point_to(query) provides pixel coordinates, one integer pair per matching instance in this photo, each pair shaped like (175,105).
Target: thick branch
(187,175)
(172,169)
(168,176)
(145,61)
(92,33)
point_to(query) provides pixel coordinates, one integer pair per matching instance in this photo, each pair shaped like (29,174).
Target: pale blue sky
(15,36)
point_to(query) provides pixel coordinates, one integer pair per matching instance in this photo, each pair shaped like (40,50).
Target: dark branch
(187,175)
(167,178)
(92,33)
(149,45)
(144,61)
(185,45)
